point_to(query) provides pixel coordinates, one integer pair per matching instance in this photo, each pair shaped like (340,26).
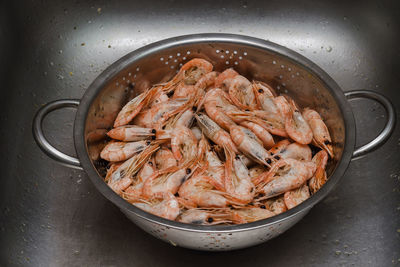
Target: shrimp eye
(194,108)
(153,137)
(148,142)
(277,157)
(188,170)
(237,157)
(210,220)
(150,163)
(169,94)
(153,131)
(260,91)
(247,109)
(263,207)
(269,161)
(327,142)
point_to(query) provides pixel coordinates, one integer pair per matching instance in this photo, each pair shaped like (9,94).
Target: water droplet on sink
(329,49)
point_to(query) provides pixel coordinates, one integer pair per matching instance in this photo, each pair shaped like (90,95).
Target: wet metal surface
(53,216)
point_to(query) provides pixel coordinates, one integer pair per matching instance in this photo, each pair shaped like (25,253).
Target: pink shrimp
(167,208)
(206,217)
(131,133)
(214,132)
(133,107)
(296,196)
(224,79)
(237,180)
(207,80)
(200,190)
(165,181)
(119,151)
(285,175)
(216,102)
(134,191)
(279,146)
(183,145)
(321,136)
(296,126)
(248,143)
(164,158)
(241,93)
(294,151)
(319,179)
(276,205)
(150,117)
(250,214)
(260,132)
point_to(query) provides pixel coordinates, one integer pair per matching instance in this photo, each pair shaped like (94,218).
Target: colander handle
(41,140)
(390,123)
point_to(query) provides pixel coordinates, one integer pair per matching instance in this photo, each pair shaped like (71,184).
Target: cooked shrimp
(294,151)
(296,126)
(285,175)
(276,205)
(321,136)
(183,145)
(250,214)
(119,151)
(130,167)
(237,180)
(207,80)
(256,171)
(241,93)
(224,79)
(158,97)
(216,169)
(265,137)
(207,217)
(216,102)
(248,143)
(295,197)
(194,70)
(133,107)
(162,182)
(150,117)
(167,208)
(278,147)
(196,132)
(318,180)
(164,158)
(214,132)
(131,133)
(266,98)
(183,90)
(200,190)
(134,191)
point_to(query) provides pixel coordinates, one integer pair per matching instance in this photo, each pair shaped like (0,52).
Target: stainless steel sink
(53,216)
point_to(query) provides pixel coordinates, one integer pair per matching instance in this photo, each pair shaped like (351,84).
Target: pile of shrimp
(214,148)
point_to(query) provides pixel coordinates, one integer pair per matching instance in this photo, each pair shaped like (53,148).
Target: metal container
(287,71)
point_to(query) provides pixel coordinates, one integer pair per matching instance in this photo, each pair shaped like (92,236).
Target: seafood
(164,158)
(207,217)
(133,107)
(131,133)
(214,132)
(296,126)
(295,197)
(200,190)
(321,136)
(319,179)
(285,175)
(167,208)
(224,79)
(237,180)
(118,151)
(248,143)
(213,148)
(265,137)
(241,93)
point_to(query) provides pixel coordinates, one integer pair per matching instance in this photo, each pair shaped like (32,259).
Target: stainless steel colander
(285,70)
